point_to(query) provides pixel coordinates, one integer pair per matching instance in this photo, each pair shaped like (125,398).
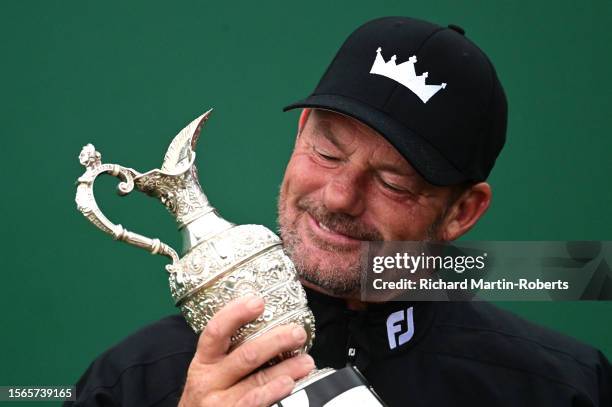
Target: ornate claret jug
(220,261)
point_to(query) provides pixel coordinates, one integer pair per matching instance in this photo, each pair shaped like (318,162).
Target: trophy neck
(203,228)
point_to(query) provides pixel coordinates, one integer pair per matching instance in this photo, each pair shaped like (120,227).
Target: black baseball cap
(430,91)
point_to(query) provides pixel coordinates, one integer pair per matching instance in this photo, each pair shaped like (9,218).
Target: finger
(296,367)
(269,394)
(214,341)
(252,354)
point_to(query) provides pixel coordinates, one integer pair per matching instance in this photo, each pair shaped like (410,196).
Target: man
(396,143)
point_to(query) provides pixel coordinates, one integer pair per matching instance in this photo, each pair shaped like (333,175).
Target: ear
(303,118)
(466,210)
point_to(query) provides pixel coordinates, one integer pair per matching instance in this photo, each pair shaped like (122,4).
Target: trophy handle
(86,203)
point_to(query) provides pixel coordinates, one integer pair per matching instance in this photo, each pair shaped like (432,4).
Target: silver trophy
(220,262)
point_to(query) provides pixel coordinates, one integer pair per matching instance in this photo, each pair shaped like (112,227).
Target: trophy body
(241,260)
(220,261)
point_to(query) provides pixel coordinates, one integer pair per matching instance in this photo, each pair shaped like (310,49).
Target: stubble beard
(339,281)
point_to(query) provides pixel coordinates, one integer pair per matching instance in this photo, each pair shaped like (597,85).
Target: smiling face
(344,184)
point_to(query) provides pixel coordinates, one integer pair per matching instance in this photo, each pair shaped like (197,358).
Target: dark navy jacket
(413,354)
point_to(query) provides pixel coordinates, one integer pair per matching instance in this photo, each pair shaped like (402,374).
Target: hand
(218,378)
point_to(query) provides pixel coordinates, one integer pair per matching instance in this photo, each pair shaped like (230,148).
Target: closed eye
(326,156)
(393,187)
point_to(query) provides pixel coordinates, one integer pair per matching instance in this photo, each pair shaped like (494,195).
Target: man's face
(344,184)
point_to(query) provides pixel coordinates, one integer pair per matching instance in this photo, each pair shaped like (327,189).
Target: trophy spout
(181,151)
(177,186)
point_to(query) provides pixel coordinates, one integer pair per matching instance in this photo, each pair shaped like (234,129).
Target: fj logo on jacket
(400,327)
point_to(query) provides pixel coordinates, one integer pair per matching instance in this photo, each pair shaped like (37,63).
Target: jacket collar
(380,331)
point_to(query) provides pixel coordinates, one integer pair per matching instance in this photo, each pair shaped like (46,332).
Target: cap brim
(425,159)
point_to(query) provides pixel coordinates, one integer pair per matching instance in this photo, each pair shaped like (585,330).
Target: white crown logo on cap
(404,73)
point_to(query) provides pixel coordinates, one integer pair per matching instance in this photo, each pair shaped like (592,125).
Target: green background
(127,76)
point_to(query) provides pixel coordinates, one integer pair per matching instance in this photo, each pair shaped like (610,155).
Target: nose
(345,192)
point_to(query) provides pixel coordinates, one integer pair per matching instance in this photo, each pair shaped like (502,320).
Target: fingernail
(307,360)
(299,333)
(286,381)
(254,303)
